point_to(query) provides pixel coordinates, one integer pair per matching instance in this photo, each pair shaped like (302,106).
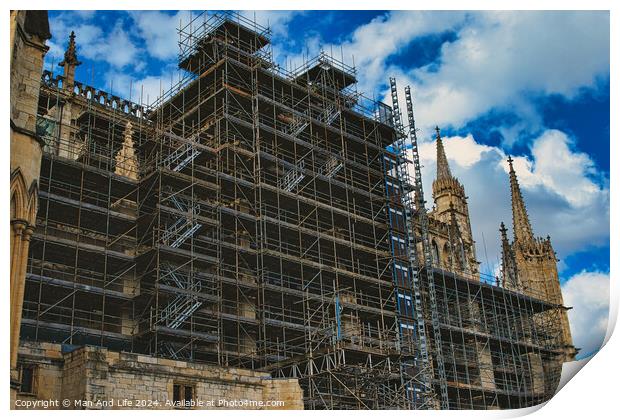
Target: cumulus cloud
(144,90)
(498,61)
(117,49)
(372,44)
(276,20)
(499,58)
(159,30)
(588,294)
(562,170)
(114,47)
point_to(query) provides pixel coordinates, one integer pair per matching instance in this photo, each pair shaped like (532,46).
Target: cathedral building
(250,235)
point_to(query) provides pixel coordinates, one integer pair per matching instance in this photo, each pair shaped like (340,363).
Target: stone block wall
(95,378)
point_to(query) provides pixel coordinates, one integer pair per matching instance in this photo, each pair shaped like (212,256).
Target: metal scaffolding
(262,218)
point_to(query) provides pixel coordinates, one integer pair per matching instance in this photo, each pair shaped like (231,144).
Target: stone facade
(29,30)
(89,375)
(95,378)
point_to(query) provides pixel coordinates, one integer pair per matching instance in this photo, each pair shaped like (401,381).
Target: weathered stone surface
(27,35)
(94,375)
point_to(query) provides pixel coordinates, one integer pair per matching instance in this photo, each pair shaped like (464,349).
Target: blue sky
(534,85)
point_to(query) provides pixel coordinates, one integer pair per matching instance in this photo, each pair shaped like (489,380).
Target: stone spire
(509,269)
(451,205)
(520,221)
(443,169)
(70,62)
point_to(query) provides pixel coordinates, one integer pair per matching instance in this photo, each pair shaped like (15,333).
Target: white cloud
(588,294)
(560,169)
(499,61)
(501,57)
(160,31)
(144,90)
(276,20)
(372,44)
(117,49)
(464,151)
(114,47)
(85,14)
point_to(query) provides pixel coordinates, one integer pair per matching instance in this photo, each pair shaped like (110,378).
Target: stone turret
(530,264)
(451,208)
(538,267)
(443,168)
(448,191)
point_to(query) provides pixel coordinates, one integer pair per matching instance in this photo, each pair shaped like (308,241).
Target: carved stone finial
(71,53)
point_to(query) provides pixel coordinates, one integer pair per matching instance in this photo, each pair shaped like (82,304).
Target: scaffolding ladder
(293,177)
(331,113)
(298,125)
(331,166)
(182,306)
(426,248)
(184,227)
(402,171)
(181,157)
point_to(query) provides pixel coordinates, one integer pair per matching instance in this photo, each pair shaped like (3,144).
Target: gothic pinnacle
(71,53)
(522,228)
(443,169)
(509,277)
(502,229)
